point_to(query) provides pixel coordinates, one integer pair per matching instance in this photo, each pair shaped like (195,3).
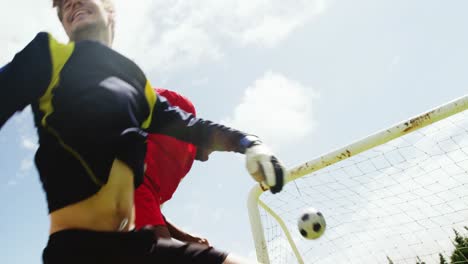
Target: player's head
(87,19)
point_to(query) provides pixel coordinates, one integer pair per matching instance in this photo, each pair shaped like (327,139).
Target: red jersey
(167,161)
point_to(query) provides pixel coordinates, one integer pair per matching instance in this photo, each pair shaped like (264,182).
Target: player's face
(81,16)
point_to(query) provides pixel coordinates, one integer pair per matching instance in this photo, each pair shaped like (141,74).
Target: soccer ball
(311,224)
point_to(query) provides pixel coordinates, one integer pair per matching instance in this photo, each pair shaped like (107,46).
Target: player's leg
(167,251)
(171,251)
(159,231)
(138,247)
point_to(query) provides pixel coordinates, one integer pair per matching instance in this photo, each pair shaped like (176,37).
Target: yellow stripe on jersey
(151,97)
(77,156)
(60,54)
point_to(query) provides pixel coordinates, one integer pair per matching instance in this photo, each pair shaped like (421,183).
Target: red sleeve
(177,99)
(147,207)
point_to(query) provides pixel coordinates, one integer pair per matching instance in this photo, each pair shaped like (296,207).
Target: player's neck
(93,34)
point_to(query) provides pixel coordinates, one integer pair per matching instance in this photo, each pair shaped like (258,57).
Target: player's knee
(159,231)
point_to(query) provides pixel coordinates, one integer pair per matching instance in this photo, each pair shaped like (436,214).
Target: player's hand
(265,167)
(202,154)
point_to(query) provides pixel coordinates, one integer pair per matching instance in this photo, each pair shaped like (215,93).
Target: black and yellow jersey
(92,105)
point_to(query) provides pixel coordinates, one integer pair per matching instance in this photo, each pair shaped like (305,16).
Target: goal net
(394,197)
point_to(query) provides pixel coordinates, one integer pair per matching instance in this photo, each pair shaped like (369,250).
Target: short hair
(108,6)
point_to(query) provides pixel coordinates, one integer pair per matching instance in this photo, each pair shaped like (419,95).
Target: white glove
(265,168)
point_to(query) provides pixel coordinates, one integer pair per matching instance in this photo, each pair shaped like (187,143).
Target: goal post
(261,246)
(389,155)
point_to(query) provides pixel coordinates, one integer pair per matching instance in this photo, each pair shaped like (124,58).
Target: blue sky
(307,76)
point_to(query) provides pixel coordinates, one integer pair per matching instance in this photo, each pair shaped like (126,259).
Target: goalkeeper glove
(264,166)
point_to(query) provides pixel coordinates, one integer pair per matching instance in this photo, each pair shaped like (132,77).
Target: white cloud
(266,23)
(168,35)
(12,183)
(27,133)
(26,165)
(394,63)
(26,138)
(29,143)
(21,21)
(277,109)
(178,34)
(217,215)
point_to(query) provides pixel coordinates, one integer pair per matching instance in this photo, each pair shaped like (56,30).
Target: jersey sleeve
(177,99)
(25,78)
(174,122)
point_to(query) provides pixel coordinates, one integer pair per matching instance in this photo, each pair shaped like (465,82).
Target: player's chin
(84,26)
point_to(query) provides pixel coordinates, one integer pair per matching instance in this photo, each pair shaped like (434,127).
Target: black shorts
(83,246)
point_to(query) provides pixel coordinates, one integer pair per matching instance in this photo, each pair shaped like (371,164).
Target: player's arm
(25,78)
(210,136)
(173,121)
(183,236)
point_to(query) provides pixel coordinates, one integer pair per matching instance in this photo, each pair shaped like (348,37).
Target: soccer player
(93,109)
(167,161)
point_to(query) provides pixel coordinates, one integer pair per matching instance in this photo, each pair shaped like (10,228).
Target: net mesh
(399,201)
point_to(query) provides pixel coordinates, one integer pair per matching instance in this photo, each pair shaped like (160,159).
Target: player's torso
(94,95)
(97,88)
(168,160)
(98,94)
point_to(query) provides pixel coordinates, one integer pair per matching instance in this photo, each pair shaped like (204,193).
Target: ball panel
(317,227)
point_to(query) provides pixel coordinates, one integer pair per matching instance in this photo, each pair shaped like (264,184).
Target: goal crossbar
(379,138)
